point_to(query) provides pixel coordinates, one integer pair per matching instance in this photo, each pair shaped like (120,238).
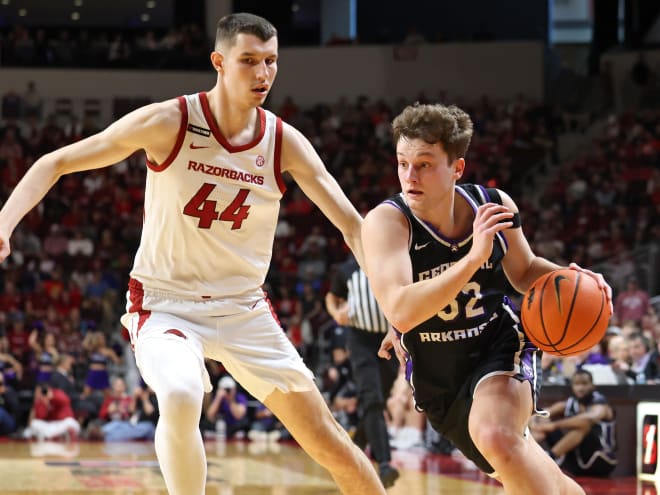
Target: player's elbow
(402,321)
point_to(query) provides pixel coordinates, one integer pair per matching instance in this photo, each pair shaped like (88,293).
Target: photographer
(51,416)
(230,406)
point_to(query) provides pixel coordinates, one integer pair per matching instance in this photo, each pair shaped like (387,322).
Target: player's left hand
(601,283)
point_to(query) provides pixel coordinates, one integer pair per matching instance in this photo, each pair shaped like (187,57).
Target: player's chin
(260,96)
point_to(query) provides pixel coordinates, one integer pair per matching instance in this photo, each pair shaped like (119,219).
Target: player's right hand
(489,219)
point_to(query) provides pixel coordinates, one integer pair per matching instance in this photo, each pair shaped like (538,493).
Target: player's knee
(496,443)
(180,403)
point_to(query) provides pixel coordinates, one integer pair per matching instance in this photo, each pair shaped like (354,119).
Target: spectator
(406,425)
(45,353)
(51,416)
(230,406)
(580,430)
(9,408)
(618,351)
(56,242)
(632,303)
(62,378)
(10,368)
(130,417)
(99,355)
(644,367)
(18,337)
(117,404)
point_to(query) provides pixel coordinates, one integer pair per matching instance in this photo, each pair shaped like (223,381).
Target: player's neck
(451,218)
(238,124)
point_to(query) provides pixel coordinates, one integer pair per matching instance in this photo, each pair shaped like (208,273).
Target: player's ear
(459,167)
(217,60)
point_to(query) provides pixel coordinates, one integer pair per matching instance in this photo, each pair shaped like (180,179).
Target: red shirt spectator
(55,406)
(10,299)
(632,303)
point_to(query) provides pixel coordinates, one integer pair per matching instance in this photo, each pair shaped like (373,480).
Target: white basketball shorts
(244,336)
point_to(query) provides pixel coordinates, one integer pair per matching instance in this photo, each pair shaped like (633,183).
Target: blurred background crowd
(585,173)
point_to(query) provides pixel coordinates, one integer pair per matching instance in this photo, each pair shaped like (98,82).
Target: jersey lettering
(225,172)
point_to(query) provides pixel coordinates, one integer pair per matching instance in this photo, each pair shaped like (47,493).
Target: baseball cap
(226,382)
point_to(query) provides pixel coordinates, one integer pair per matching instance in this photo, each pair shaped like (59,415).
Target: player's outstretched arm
(152,128)
(299,158)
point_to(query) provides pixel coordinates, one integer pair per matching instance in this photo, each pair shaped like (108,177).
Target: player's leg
(173,370)
(306,416)
(499,414)
(257,353)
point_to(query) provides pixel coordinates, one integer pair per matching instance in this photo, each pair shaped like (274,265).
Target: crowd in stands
(182,48)
(61,290)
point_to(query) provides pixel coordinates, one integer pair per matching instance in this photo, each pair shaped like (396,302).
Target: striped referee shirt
(364,311)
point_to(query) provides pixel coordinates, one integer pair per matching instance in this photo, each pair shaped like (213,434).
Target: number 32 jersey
(445,349)
(211,209)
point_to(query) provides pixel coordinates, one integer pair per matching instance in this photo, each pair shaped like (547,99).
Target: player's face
(249,68)
(581,386)
(425,172)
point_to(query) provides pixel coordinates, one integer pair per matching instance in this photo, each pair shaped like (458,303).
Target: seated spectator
(644,367)
(51,416)
(580,430)
(230,406)
(62,378)
(9,408)
(130,417)
(618,350)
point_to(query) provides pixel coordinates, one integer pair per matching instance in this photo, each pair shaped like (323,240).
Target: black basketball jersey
(445,349)
(605,430)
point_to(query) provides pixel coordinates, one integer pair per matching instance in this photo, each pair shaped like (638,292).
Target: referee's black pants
(374,378)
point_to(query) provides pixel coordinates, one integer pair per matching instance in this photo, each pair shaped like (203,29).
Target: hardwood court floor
(236,468)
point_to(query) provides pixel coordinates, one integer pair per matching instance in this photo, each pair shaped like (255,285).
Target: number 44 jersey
(211,208)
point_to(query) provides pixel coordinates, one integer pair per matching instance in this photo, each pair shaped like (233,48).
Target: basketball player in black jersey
(438,257)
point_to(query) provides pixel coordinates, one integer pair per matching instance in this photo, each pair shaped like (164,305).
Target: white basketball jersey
(211,209)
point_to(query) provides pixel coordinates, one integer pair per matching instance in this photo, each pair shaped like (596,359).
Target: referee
(351,303)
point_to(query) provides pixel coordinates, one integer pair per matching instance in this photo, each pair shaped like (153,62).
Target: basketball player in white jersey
(211,204)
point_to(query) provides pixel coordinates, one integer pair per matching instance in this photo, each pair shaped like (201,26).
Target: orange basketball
(565,312)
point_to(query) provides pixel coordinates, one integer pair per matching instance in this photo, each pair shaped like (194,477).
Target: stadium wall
(312,75)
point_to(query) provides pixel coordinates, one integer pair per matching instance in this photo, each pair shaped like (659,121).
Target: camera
(44,389)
